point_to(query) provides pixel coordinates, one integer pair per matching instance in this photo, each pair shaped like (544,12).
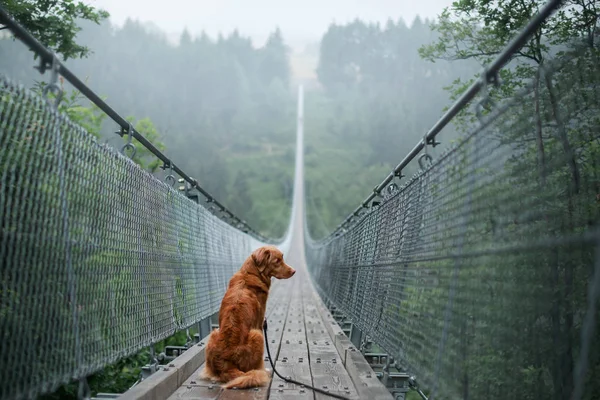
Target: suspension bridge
(478,277)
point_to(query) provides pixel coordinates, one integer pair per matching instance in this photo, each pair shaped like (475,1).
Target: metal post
(356,335)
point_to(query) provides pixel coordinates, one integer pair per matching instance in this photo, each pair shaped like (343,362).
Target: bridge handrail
(49,60)
(481,274)
(489,75)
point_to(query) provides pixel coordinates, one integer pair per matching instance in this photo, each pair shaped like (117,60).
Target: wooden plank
(166,380)
(367,383)
(292,358)
(195,388)
(362,375)
(197,392)
(326,364)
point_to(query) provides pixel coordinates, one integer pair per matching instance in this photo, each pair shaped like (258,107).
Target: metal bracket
(412,383)
(486,102)
(53,85)
(84,392)
(426,156)
(129,145)
(152,367)
(170,177)
(376,201)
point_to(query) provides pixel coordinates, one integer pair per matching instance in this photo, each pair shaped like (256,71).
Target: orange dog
(234,353)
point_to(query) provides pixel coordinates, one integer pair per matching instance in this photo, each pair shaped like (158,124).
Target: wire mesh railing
(481,274)
(98,258)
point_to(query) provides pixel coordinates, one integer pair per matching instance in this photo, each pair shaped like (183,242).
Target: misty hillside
(225,110)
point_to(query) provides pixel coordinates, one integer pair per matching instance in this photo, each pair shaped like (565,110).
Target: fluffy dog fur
(234,353)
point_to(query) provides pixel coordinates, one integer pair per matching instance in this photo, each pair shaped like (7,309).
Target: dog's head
(269,261)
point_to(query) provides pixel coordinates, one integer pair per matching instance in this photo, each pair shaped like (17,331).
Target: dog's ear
(262,258)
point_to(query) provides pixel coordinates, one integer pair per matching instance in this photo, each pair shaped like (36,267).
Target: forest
(224,110)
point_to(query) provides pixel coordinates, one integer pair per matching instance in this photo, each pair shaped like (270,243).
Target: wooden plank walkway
(302,340)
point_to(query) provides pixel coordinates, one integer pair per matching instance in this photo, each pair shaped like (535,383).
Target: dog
(234,352)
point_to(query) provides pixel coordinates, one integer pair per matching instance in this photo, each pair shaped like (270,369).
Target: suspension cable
(48,58)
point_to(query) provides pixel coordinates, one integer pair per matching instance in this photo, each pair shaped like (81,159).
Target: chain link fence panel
(98,258)
(481,275)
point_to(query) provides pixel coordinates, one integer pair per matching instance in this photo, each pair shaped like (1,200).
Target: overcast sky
(301,21)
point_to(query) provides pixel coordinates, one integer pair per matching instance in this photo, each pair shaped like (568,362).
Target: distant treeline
(225,110)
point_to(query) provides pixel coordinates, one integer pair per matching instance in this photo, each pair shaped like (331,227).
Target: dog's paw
(269,372)
(207,375)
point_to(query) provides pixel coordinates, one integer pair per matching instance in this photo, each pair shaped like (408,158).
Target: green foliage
(54,23)
(143,157)
(480,29)
(88,117)
(379,99)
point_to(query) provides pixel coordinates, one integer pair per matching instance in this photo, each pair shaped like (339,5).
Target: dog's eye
(279,260)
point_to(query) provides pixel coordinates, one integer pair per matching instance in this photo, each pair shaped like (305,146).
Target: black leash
(337,396)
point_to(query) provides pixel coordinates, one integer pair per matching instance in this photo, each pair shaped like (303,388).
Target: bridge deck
(305,340)
(301,344)
(306,343)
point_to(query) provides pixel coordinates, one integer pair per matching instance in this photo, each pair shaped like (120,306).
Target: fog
(200,79)
(302,22)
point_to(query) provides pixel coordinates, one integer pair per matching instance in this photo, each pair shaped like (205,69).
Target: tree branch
(479,54)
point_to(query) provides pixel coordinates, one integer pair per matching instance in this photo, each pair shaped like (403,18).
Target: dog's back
(234,353)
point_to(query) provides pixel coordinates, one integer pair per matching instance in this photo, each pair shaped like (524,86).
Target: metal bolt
(302,390)
(287,342)
(300,342)
(324,386)
(318,360)
(273,341)
(211,387)
(280,390)
(334,361)
(300,359)
(256,389)
(172,365)
(369,375)
(189,387)
(193,382)
(165,369)
(345,387)
(281,385)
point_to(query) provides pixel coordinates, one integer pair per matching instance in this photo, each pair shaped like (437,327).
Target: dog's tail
(252,378)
